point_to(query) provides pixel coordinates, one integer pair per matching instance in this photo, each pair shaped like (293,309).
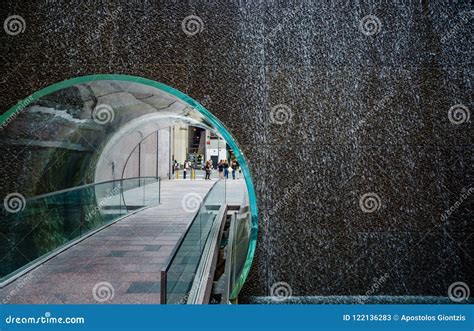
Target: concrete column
(164,153)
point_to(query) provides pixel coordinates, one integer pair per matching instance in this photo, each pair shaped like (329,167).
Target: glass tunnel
(81,155)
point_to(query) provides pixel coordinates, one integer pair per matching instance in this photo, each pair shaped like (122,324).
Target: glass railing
(49,222)
(237,248)
(178,275)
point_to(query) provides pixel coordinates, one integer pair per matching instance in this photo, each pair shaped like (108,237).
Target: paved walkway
(124,259)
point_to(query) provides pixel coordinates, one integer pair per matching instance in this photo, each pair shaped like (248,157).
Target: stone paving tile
(128,248)
(144,287)
(133,253)
(117,253)
(138,298)
(152,247)
(139,276)
(155,254)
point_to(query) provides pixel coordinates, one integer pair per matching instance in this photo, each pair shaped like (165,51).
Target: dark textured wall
(366,114)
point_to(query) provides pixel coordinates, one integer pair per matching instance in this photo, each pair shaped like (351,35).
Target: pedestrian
(226,169)
(175,166)
(185,168)
(239,168)
(234,168)
(220,167)
(207,167)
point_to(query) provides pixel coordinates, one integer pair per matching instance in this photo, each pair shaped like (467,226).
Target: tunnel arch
(193,104)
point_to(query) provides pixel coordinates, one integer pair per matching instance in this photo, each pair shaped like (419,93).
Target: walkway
(123,259)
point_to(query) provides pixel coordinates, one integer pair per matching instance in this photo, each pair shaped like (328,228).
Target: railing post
(82,218)
(122,197)
(163,287)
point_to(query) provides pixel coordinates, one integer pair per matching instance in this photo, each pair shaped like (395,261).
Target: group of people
(223,167)
(186,167)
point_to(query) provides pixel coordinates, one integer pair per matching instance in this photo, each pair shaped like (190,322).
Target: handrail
(230,258)
(175,250)
(74,188)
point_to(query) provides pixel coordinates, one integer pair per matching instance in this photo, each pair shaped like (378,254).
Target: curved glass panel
(87,130)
